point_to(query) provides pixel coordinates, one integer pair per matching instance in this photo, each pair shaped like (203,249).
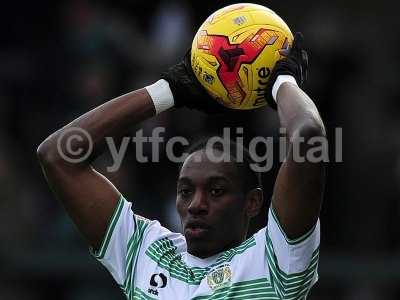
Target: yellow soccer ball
(235,50)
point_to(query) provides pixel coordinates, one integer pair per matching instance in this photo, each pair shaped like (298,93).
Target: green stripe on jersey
(163,252)
(252,289)
(132,256)
(138,294)
(228,255)
(110,229)
(288,240)
(290,286)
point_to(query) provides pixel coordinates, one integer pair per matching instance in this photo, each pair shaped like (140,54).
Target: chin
(199,248)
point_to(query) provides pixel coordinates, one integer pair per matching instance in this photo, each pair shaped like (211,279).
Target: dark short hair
(252,179)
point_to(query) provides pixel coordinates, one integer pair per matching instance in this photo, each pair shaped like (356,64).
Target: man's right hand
(187,90)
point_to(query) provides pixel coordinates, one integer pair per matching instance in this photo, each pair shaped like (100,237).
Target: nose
(199,204)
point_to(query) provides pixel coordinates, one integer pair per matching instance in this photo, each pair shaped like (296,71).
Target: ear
(254,202)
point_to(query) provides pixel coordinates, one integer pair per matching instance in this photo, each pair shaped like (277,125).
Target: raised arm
(299,186)
(89,197)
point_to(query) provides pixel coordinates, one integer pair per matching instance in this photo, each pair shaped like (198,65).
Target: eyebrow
(184,180)
(218,178)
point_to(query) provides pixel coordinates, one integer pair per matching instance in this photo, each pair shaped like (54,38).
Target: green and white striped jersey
(150,262)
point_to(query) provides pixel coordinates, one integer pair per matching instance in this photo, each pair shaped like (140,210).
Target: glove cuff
(161,95)
(278,82)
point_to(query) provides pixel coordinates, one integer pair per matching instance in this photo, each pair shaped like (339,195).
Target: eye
(216,192)
(184,192)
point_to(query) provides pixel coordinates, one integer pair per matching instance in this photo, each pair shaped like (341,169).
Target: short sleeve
(292,264)
(121,242)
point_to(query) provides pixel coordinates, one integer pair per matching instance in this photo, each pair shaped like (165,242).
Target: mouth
(196,230)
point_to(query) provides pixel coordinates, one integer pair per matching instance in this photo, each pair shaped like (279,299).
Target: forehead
(202,164)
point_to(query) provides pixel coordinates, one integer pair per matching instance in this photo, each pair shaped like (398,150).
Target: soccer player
(215,200)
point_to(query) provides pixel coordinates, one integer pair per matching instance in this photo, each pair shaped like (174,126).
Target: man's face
(211,203)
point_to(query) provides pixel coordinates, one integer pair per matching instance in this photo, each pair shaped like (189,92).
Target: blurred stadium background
(58,59)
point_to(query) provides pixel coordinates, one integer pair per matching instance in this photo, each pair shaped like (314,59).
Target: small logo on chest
(157,281)
(219,277)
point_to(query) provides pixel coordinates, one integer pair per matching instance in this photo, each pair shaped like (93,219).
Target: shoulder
(156,234)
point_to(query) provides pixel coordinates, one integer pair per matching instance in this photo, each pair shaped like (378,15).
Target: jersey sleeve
(122,242)
(292,264)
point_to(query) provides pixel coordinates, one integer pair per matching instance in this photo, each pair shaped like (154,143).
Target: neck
(200,253)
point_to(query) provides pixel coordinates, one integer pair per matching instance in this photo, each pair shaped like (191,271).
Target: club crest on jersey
(219,277)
